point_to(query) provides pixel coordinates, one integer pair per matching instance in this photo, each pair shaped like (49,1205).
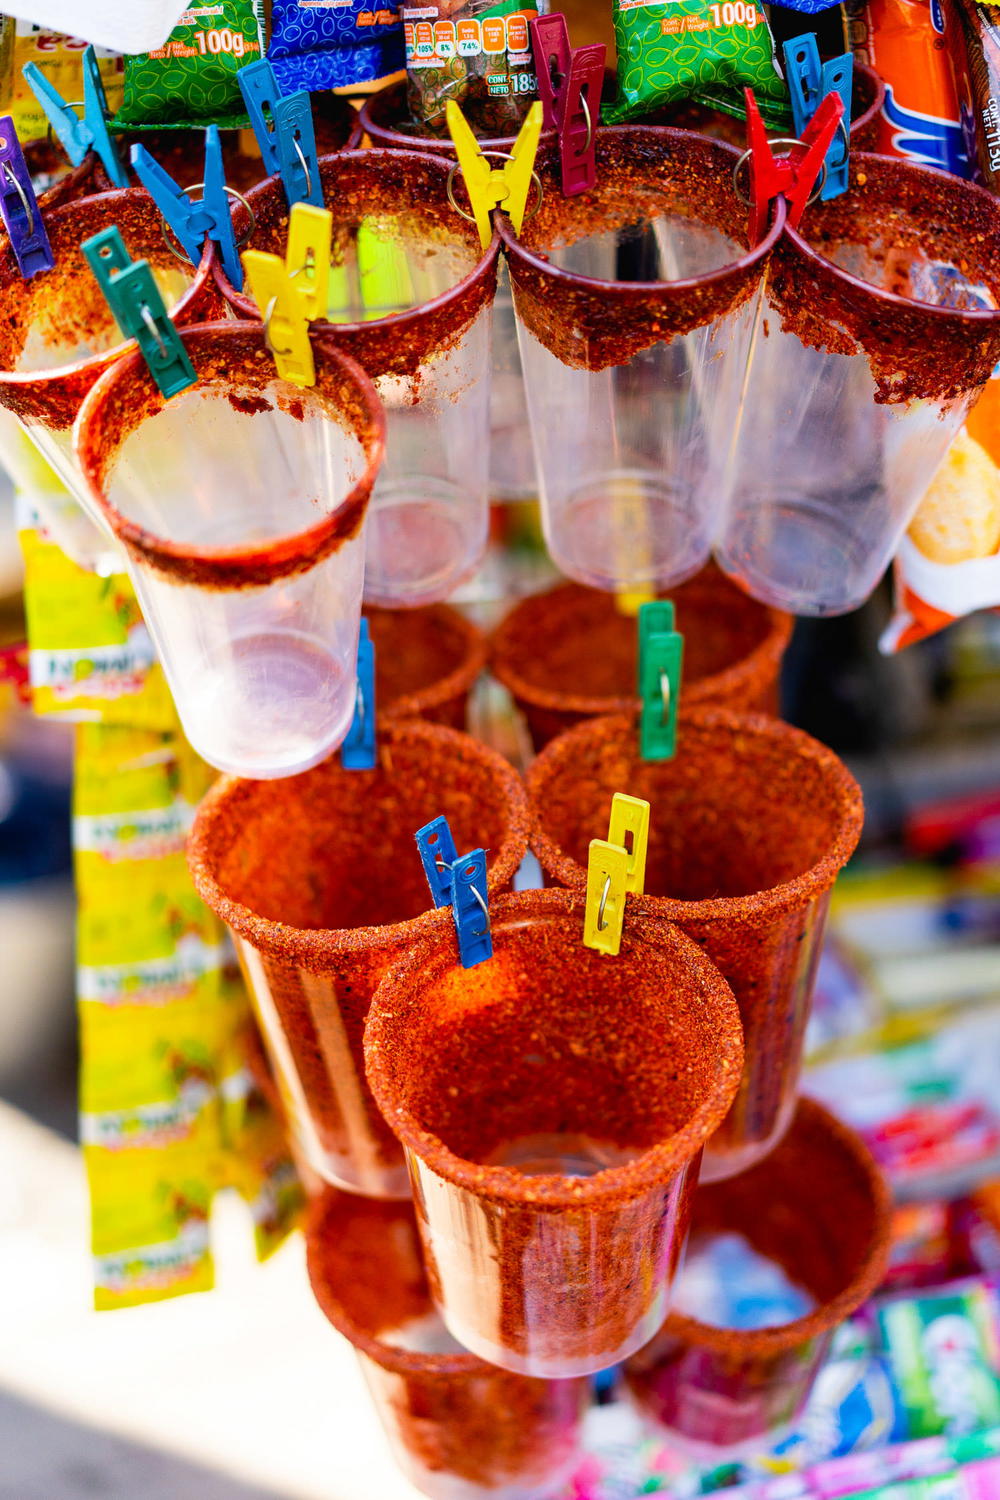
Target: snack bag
(671,50)
(981,24)
(335,43)
(475,52)
(943,1348)
(191,80)
(59,58)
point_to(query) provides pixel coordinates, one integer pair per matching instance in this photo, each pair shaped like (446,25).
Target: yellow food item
(959,517)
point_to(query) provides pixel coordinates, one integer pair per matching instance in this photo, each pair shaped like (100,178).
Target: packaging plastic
(475,52)
(318,47)
(943,1348)
(60,58)
(192,78)
(241,505)
(146,23)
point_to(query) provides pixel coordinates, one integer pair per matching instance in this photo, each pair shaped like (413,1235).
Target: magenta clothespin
(569,86)
(793,176)
(19,207)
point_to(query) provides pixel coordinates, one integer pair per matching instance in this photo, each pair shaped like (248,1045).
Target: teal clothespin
(660,663)
(809,82)
(135,300)
(77,136)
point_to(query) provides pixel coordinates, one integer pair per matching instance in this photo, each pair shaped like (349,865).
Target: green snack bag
(672,50)
(191,80)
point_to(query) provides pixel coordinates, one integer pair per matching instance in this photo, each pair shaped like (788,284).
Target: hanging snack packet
(60,59)
(191,80)
(982,34)
(672,50)
(478,54)
(334,43)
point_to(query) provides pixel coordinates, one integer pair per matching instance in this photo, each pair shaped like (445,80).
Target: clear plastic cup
(750,826)
(458,1427)
(241,504)
(553,1104)
(881,327)
(410,299)
(319,880)
(818,1208)
(58,336)
(635,305)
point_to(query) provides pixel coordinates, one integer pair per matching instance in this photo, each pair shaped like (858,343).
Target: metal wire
(500,156)
(781,140)
(147,318)
(601,924)
(174,246)
(8,173)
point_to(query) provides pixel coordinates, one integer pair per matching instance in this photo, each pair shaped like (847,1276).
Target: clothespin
(460,884)
(488,188)
(615,866)
(14,670)
(77,136)
(437,855)
(19,207)
(135,300)
(792,176)
(210,218)
(629,829)
(569,86)
(809,82)
(659,668)
(293,293)
(284,130)
(357,753)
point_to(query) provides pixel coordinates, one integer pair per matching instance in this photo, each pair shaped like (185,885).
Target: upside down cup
(319,880)
(819,1208)
(749,827)
(553,1104)
(457,1426)
(732,652)
(426,661)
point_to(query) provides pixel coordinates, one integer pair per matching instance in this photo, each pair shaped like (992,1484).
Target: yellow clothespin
(505,187)
(614,867)
(629,829)
(293,293)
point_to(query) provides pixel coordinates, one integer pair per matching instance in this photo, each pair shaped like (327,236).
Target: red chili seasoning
(817,1206)
(426,661)
(553,1103)
(749,827)
(451,1419)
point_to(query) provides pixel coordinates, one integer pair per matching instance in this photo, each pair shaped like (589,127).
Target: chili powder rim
(867,117)
(316,948)
(752,908)
(385,136)
(652,1168)
(732,680)
(226,567)
(454,684)
(777,1338)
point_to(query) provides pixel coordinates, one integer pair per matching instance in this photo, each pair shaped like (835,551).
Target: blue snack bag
(328,44)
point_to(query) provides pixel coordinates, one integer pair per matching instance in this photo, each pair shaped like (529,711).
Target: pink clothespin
(793,176)
(569,86)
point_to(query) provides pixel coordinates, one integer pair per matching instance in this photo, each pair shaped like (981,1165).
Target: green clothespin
(661,658)
(138,308)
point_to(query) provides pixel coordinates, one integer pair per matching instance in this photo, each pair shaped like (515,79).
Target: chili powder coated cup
(749,828)
(553,1104)
(458,1427)
(319,880)
(426,662)
(819,1208)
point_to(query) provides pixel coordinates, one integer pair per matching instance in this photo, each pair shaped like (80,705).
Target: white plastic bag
(138,26)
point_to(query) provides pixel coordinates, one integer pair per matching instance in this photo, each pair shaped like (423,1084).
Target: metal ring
(601,924)
(486,912)
(590,124)
(8,173)
(359,697)
(780,140)
(665,695)
(269,314)
(501,156)
(147,318)
(174,246)
(305,167)
(50,139)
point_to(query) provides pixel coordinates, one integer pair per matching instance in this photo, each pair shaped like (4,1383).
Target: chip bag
(191,80)
(329,46)
(60,59)
(478,54)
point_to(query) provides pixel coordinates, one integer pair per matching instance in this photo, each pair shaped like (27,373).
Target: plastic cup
(553,1104)
(241,504)
(319,880)
(58,336)
(819,1208)
(426,661)
(458,1427)
(882,326)
(410,300)
(750,825)
(635,306)
(586,667)
(867,94)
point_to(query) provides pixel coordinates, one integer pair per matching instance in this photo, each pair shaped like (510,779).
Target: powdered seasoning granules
(426,662)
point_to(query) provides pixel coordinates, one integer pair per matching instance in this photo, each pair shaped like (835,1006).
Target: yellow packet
(59,58)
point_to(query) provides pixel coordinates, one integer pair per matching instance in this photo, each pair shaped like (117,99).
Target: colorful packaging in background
(330,46)
(943,1349)
(981,24)
(478,54)
(671,50)
(916,47)
(59,58)
(191,80)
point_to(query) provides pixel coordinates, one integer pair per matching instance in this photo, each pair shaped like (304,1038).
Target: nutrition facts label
(431,41)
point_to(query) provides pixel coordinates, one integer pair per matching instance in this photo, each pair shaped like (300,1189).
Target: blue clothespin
(19,207)
(470,906)
(80,136)
(809,82)
(660,663)
(284,131)
(135,300)
(437,855)
(357,753)
(193,223)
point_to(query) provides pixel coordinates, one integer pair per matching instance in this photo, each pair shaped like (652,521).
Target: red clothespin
(793,176)
(569,86)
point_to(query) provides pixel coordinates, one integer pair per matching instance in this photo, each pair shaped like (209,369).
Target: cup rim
(656,1165)
(443,690)
(229,567)
(860,122)
(438,145)
(751,908)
